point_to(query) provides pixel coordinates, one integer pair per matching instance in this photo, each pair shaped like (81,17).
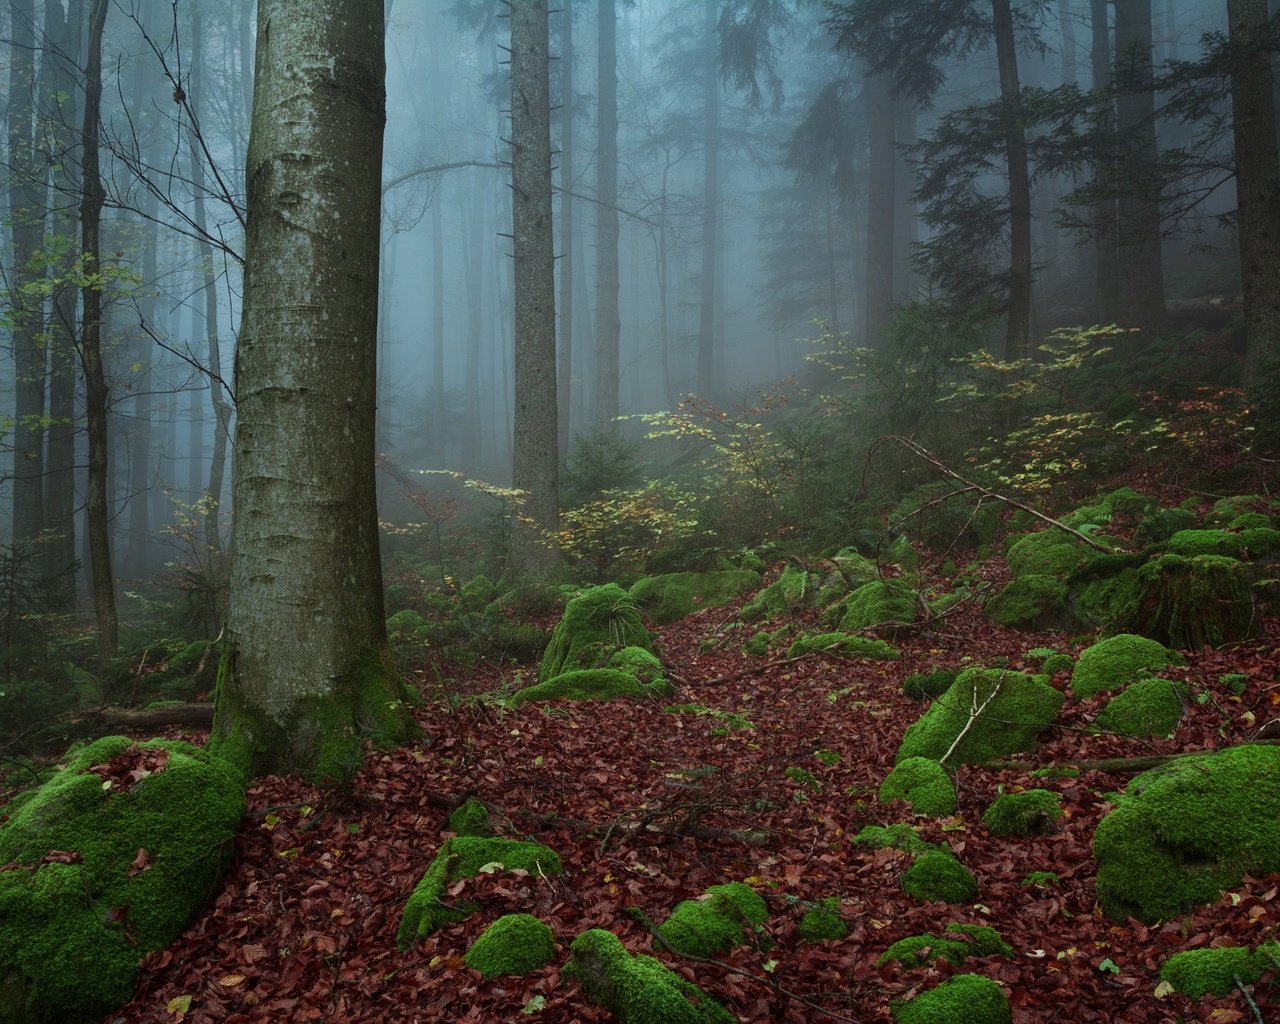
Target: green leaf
(534,1004)
(1109,966)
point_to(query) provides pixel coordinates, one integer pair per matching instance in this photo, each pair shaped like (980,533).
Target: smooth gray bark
(568,110)
(1105,256)
(710,201)
(881,207)
(608,324)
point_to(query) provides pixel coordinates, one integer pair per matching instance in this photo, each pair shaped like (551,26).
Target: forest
(656,511)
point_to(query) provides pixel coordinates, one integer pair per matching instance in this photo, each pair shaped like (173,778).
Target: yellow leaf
(230,980)
(178,1004)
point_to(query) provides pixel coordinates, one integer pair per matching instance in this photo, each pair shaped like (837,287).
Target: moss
(1105,603)
(844,643)
(929,685)
(1149,707)
(1183,833)
(961,942)
(1066,771)
(75,932)
(898,837)
(792,592)
(751,562)
(1162,524)
(640,663)
(823,923)
(514,944)
(596,624)
(715,922)
(983,940)
(1235,682)
(1021,709)
(1226,509)
(1041,880)
(924,784)
(638,989)
(471,819)
(1260,541)
(1195,602)
(1034,812)
(758,645)
(941,516)
(964,999)
(678,595)
(1116,662)
(1189,543)
(1030,602)
(1213,971)
(1056,663)
(1251,521)
(459,858)
(1050,552)
(937,875)
(802,777)
(879,603)
(592,684)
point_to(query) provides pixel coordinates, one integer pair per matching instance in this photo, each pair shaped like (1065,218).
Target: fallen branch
(975,713)
(1121,765)
(197,715)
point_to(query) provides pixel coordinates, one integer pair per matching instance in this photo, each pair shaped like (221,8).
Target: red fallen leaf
(62,857)
(141,863)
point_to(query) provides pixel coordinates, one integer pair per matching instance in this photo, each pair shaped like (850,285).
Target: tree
(1258,198)
(608,324)
(535,452)
(1106,265)
(710,203)
(568,111)
(305,677)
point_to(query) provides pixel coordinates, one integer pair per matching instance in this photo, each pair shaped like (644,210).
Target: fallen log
(197,715)
(1124,765)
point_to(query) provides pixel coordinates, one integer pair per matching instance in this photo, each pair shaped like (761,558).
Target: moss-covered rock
(1031,601)
(1190,543)
(715,922)
(929,685)
(1056,663)
(759,644)
(1195,602)
(1123,505)
(678,595)
(1149,707)
(459,858)
(1226,509)
(964,999)
(1214,970)
(592,684)
(1021,709)
(850,645)
(1162,523)
(1034,812)
(878,603)
(513,944)
(823,923)
(470,819)
(961,942)
(641,664)
(596,625)
(638,989)
(1181,834)
(1117,661)
(898,837)
(1050,552)
(794,591)
(1105,602)
(106,862)
(938,876)
(924,784)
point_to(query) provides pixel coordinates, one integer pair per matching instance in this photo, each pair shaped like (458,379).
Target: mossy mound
(823,923)
(1190,543)
(596,625)
(938,876)
(1149,707)
(592,684)
(898,837)
(715,922)
(1034,812)
(942,515)
(105,862)
(459,858)
(1121,505)
(879,603)
(964,999)
(794,591)
(929,685)
(846,644)
(1213,971)
(1105,602)
(1224,510)
(678,595)
(1056,663)
(924,784)
(1050,552)
(961,942)
(1117,661)
(470,819)
(1181,834)
(759,644)
(1032,602)
(1021,709)
(1195,602)
(1163,523)
(513,944)
(638,989)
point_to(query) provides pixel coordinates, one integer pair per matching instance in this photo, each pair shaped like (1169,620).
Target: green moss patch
(513,944)
(938,876)
(716,921)
(1195,602)
(1162,524)
(1050,552)
(142,833)
(922,783)
(879,603)
(1213,971)
(942,515)
(929,685)
(470,819)
(823,923)
(678,595)
(1034,812)
(1118,661)
(1149,707)
(1041,880)
(964,999)
(846,644)
(1190,543)
(1183,833)
(465,857)
(1105,602)
(899,837)
(1012,719)
(595,626)
(961,942)
(1032,601)
(638,989)
(592,684)
(794,591)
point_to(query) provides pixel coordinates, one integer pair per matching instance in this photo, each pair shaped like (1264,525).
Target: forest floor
(303,927)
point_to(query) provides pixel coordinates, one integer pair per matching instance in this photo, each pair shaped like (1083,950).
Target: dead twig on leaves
(975,713)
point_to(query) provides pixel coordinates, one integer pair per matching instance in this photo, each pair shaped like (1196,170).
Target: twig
(1257,1014)
(975,712)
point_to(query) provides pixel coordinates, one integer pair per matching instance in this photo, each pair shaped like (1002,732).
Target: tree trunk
(97,520)
(881,207)
(26,193)
(535,458)
(564,364)
(905,223)
(1258,198)
(305,677)
(608,325)
(710,200)
(1105,258)
(1018,335)
(1141,270)
(473,245)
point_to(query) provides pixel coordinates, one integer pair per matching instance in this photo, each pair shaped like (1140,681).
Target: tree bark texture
(568,110)
(881,207)
(1106,264)
(305,677)
(710,200)
(608,324)
(535,453)
(1258,198)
